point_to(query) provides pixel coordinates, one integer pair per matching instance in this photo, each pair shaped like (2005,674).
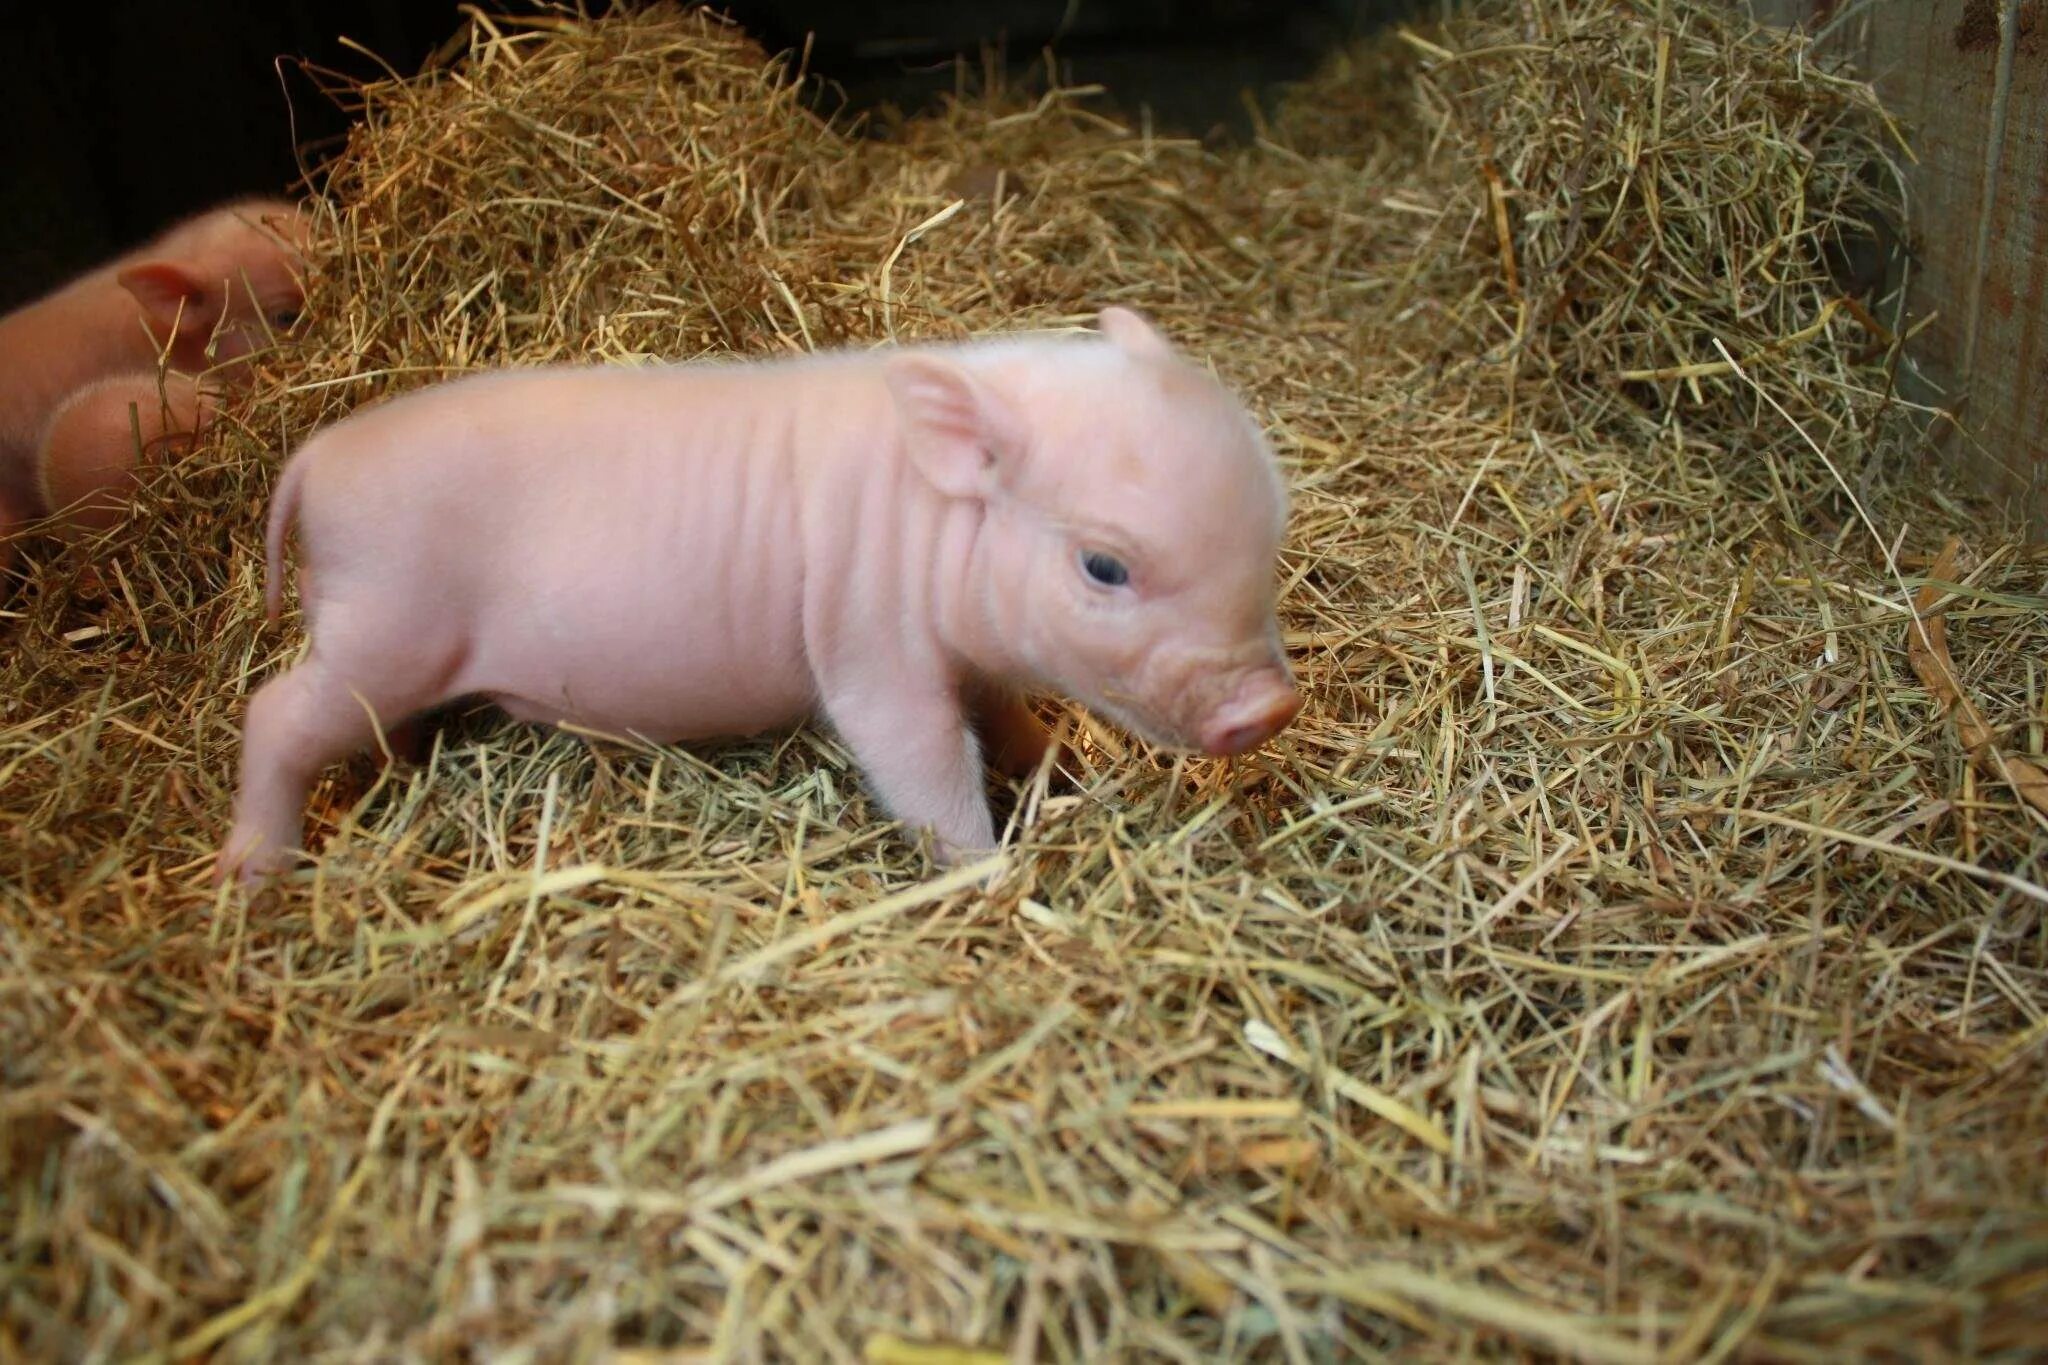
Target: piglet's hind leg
(299,722)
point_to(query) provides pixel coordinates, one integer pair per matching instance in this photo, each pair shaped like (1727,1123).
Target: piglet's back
(564,483)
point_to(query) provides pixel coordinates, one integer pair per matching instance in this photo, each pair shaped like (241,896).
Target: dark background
(123,116)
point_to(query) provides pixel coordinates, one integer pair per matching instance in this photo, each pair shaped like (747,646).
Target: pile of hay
(1654,210)
(1622,959)
(526,205)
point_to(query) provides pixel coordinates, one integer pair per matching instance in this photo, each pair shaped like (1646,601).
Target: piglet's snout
(1262,707)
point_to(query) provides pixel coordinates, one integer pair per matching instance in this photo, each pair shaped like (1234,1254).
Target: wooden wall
(1970,79)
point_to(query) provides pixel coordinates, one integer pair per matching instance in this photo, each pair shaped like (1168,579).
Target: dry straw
(1623,959)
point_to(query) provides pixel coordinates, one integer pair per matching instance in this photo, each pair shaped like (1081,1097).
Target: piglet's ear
(171,296)
(1129,330)
(959,434)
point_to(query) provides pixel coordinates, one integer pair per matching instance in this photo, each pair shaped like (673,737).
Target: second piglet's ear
(172,297)
(960,434)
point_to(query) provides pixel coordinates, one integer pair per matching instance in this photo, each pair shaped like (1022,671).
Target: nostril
(1240,739)
(1245,732)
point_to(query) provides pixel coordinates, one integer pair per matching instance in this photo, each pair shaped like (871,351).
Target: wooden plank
(1969,79)
(1946,104)
(2008,401)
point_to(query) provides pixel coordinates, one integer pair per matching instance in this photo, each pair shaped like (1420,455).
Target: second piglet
(201,296)
(901,540)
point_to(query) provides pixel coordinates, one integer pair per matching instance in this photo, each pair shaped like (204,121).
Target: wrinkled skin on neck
(1138,456)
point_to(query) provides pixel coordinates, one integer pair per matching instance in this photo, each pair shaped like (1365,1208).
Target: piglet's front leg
(922,761)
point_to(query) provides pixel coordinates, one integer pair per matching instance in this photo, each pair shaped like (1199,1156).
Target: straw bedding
(1628,956)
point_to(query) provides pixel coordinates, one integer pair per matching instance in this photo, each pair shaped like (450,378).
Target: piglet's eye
(1107,570)
(284,319)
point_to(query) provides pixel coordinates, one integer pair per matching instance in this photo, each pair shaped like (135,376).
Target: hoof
(251,862)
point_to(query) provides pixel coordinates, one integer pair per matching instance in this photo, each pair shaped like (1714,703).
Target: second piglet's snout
(903,541)
(86,457)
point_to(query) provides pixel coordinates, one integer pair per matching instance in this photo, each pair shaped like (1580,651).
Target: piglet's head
(1131,519)
(224,284)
